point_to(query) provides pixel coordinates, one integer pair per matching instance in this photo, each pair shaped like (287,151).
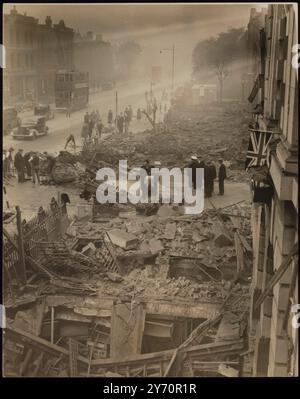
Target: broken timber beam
(41,344)
(21,251)
(31,262)
(230,347)
(277,276)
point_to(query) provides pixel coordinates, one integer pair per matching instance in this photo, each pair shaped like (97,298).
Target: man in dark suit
(19,165)
(222,176)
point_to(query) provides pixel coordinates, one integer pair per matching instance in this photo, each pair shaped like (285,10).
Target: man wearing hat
(19,165)
(10,162)
(35,167)
(222,176)
(194,164)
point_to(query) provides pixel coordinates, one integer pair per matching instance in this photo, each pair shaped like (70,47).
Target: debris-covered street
(132,288)
(152,275)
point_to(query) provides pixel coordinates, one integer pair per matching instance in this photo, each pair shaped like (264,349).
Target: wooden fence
(45,227)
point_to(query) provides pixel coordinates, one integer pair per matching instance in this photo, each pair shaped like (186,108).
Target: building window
(31,61)
(19,60)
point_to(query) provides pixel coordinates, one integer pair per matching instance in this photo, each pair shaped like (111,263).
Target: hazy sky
(112,18)
(154,26)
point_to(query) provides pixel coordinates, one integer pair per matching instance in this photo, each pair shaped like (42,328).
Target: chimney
(14,11)
(48,21)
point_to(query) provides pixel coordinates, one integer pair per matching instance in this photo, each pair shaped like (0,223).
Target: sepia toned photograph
(150,191)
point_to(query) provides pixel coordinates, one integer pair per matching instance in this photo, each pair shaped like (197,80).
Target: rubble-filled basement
(135,290)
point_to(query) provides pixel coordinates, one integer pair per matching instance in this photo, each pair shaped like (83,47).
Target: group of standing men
(92,126)
(29,163)
(124,119)
(210,174)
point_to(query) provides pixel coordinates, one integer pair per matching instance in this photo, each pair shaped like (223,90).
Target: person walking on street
(121,123)
(85,132)
(99,128)
(5,164)
(27,166)
(194,164)
(130,112)
(86,118)
(139,114)
(210,176)
(110,117)
(97,116)
(35,167)
(213,174)
(10,162)
(91,127)
(126,120)
(68,111)
(222,176)
(19,165)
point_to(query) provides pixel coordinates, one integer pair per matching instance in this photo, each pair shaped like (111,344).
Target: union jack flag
(257,148)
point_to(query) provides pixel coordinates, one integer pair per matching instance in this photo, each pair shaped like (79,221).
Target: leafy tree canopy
(220,51)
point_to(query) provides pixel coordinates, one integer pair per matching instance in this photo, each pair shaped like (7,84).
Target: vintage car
(44,110)
(31,128)
(10,119)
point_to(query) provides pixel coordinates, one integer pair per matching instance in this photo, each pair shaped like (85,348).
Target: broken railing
(46,226)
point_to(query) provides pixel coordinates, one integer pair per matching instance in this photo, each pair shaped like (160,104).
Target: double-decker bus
(71,90)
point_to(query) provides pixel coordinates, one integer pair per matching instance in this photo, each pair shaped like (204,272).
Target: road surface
(60,127)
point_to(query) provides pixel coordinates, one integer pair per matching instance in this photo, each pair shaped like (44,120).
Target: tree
(151,119)
(127,54)
(218,53)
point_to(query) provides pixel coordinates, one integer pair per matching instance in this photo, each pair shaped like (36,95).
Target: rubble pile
(123,289)
(211,133)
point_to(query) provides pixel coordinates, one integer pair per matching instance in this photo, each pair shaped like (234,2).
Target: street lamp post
(173,66)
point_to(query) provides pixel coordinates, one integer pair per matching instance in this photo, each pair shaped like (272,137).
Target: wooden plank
(21,247)
(73,354)
(127,328)
(277,276)
(245,243)
(239,253)
(173,358)
(52,324)
(18,335)
(165,356)
(25,362)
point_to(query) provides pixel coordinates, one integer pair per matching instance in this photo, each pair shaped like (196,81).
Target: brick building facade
(34,52)
(95,56)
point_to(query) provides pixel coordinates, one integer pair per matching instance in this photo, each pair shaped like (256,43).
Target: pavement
(30,196)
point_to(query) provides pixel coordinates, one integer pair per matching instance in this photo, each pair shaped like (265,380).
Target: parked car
(10,119)
(44,110)
(31,128)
